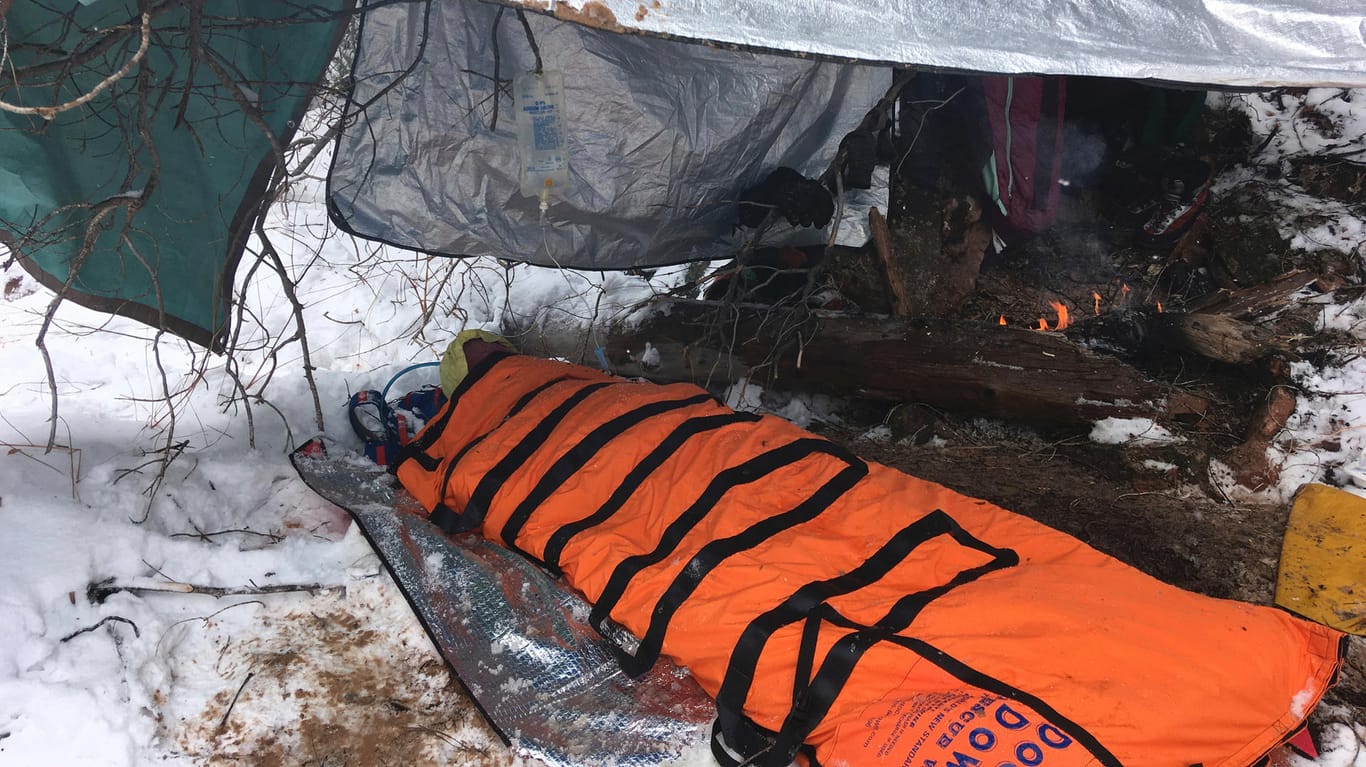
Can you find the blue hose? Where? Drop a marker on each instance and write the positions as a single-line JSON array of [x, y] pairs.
[[384, 395]]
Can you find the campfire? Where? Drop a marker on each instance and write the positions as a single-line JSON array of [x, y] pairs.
[[1059, 334], [1081, 324]]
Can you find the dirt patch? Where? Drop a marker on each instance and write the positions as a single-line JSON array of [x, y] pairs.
[[333, 688], [18, 286], [592, 14]]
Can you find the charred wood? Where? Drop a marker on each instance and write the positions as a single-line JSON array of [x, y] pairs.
[[1142, 332], [1223, 326]]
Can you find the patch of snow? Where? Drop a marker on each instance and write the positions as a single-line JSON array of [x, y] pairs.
[[1340, 745], [798, 411], [649, 359], [1356, 473], [434, 561], [746, 396], [1127, 431], [513, 685], [881, 433], [1299, 705], [1296, 123]]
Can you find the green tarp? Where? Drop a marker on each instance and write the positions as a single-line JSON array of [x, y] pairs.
[[148, 191]]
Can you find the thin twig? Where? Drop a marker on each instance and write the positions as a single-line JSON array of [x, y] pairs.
[[206, 537], [937, 104], [228, 713], [202, 619], [250, 110], [234, 346], [167, 454], [289, 433], [106, 619], [92, 232]]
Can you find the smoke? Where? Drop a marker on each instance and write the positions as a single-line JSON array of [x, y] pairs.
[[1084, 152]]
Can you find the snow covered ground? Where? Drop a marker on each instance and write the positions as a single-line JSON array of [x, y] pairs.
[[338, 671], [148, 677]]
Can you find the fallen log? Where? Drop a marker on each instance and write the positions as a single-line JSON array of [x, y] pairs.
[[968, 368]]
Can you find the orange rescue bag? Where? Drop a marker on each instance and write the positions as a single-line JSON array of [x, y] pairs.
[[877, 618]]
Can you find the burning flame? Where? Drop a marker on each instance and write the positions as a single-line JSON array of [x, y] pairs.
[[1001, 321], [1063, 320]]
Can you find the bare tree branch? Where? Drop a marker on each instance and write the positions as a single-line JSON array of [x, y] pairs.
[[49, 112]]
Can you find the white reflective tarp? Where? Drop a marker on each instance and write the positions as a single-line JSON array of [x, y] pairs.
[[1247, 43]]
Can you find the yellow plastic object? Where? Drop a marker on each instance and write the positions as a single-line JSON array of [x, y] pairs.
[[454, 368], [1323, 559]]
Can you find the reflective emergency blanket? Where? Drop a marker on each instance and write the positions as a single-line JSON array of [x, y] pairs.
[[517, 639], [662, 137]]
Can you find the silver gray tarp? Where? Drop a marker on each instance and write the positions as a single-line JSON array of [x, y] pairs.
[[662, 135]]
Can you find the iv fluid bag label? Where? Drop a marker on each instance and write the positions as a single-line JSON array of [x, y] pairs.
[[541, 133]]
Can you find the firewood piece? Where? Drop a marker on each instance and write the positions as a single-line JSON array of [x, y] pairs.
[[1250, 302], [1216, 336], [896, 281], [1251, 465], [1272, 415]]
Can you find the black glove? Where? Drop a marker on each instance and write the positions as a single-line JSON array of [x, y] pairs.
[[802, 201]]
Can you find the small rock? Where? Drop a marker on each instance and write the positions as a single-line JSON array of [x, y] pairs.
[[914, 422]]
